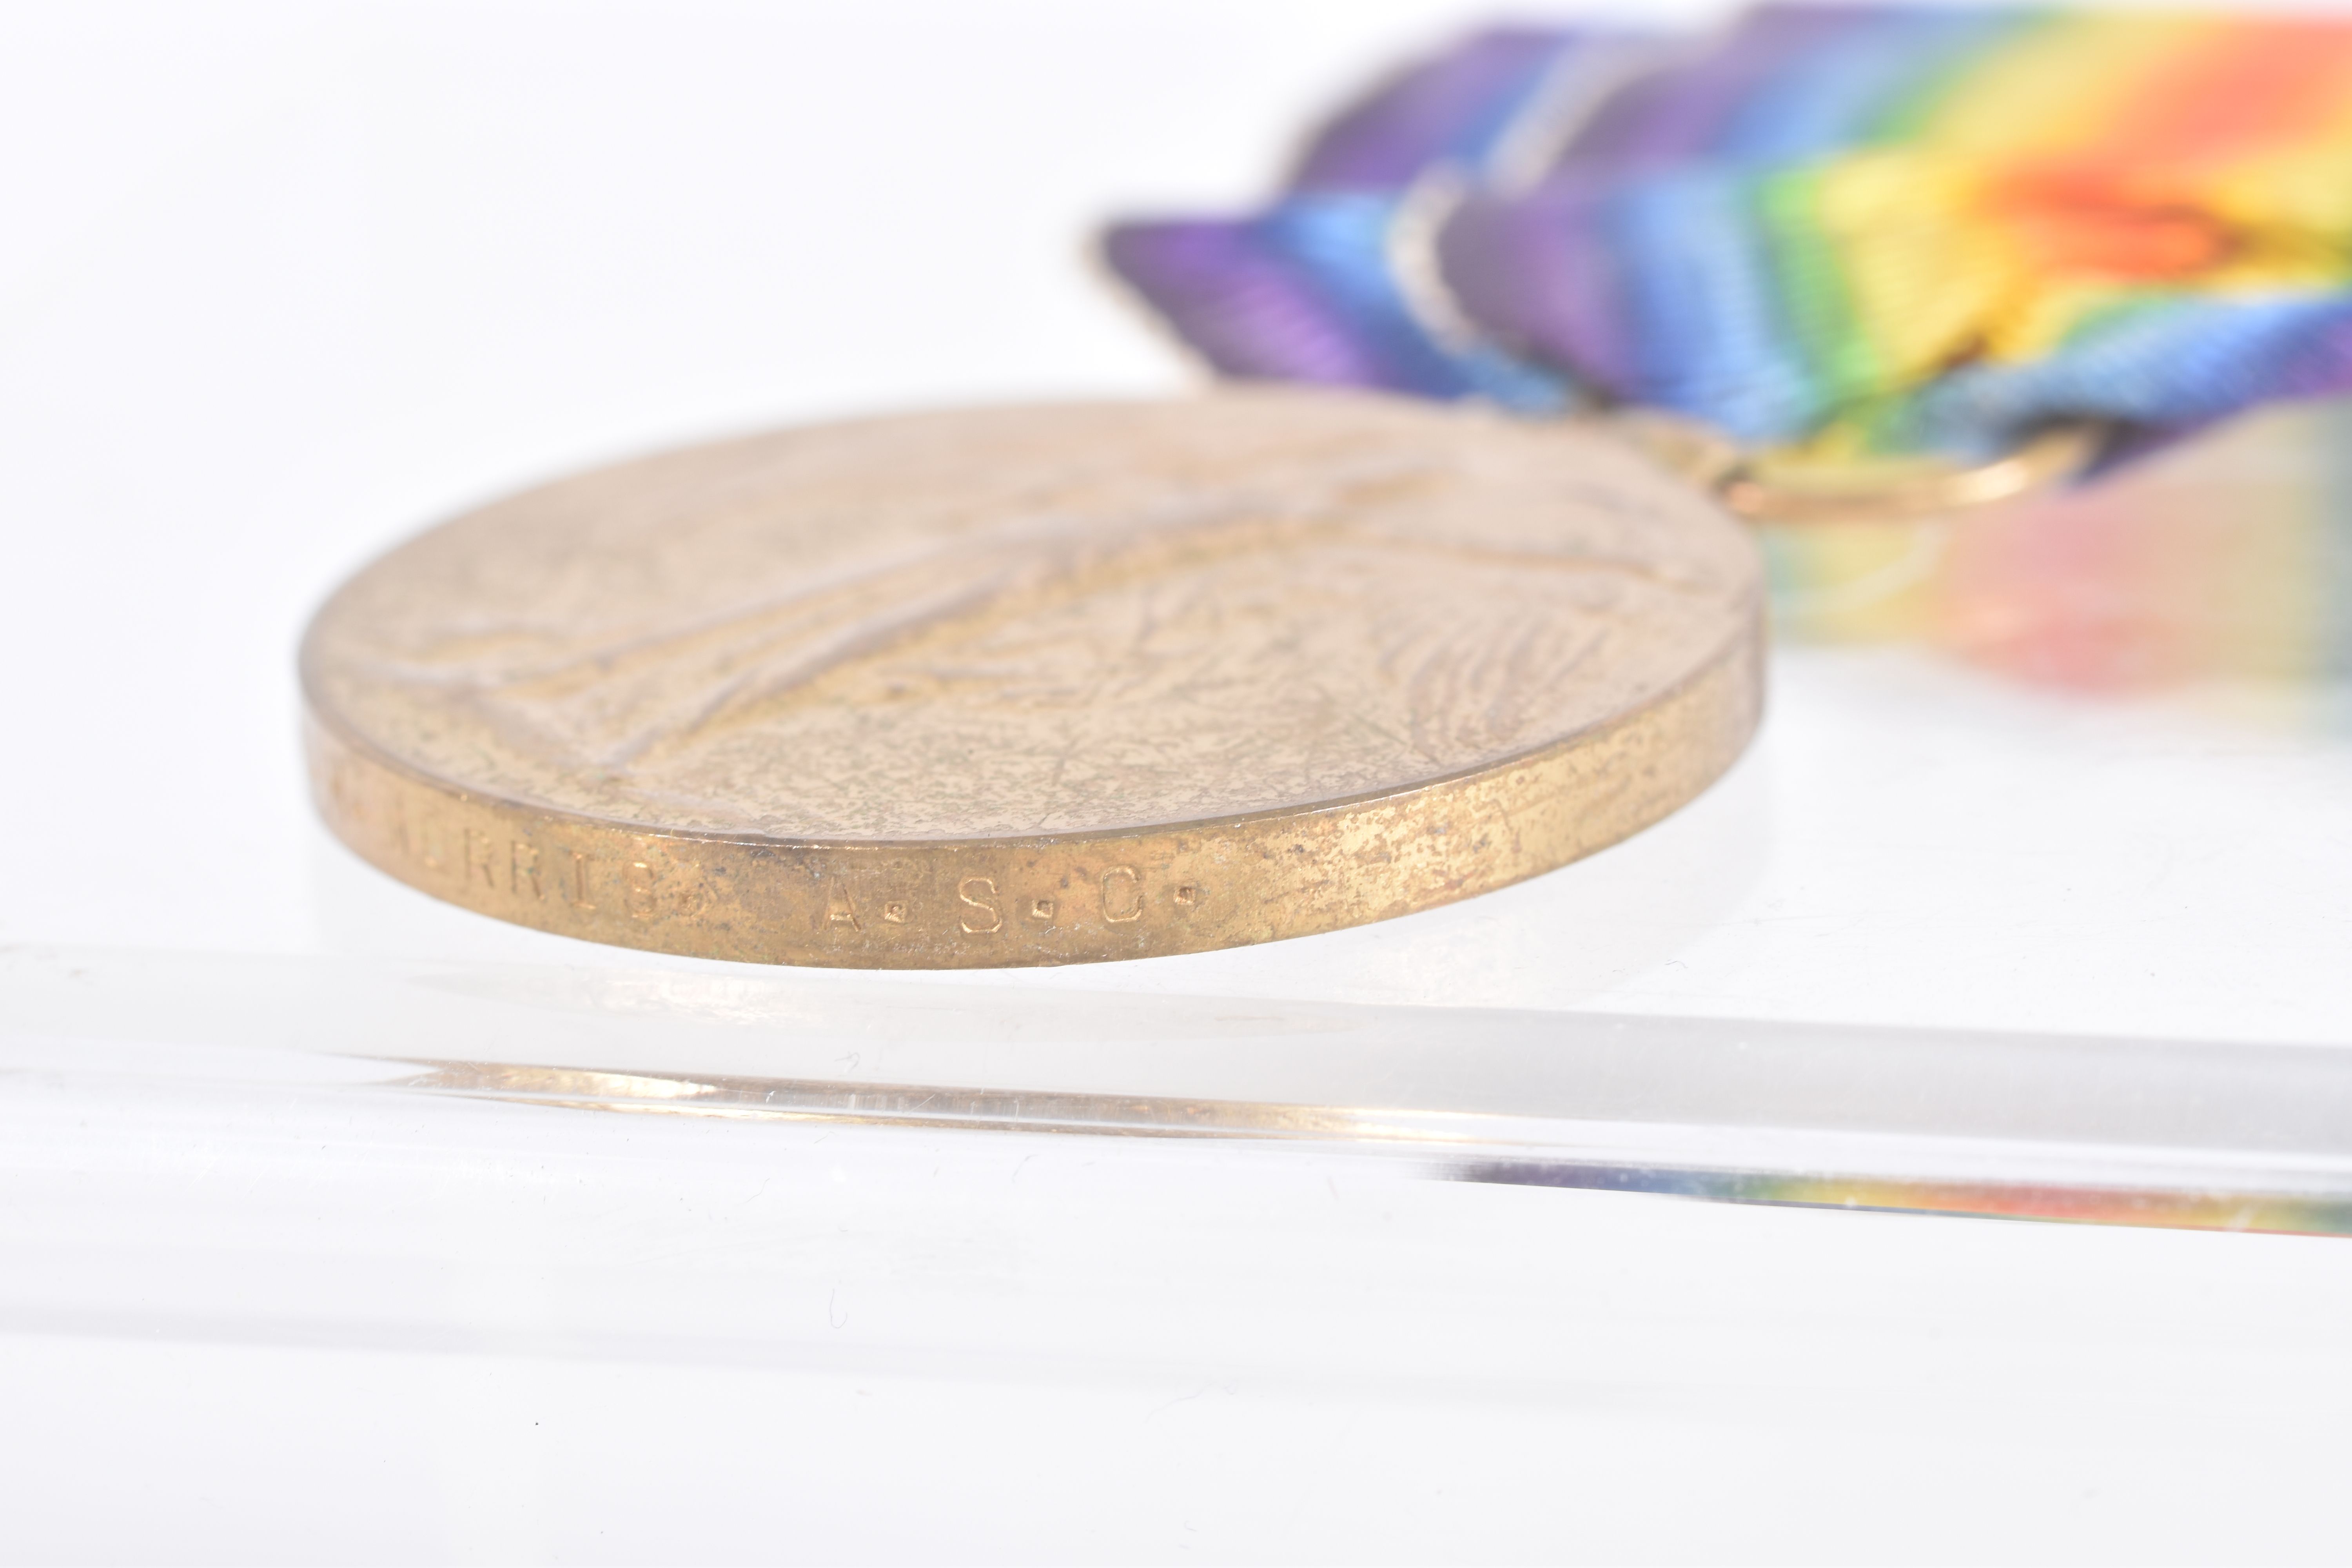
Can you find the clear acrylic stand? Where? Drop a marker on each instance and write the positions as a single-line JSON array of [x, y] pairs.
[[2117, 1131]]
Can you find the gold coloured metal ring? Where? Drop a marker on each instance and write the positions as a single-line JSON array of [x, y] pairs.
[[1774, 486], [1775, 489]]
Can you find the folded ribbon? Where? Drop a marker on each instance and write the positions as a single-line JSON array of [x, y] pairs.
[[1868, 229]]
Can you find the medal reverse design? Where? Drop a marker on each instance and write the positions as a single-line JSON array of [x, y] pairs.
[[1038, 685]]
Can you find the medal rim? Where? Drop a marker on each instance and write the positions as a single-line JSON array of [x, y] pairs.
[[783, 900]]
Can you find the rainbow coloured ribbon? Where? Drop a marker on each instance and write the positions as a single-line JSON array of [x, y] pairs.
[[1876, 228], [1864, 229]]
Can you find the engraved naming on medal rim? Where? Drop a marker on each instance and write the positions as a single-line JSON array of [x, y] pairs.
[[1037, 684]]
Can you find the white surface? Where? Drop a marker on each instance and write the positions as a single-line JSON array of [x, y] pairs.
[[307, 1328], [279, 285]]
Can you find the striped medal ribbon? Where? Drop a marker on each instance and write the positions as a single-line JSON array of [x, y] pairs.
[[1869, 270]]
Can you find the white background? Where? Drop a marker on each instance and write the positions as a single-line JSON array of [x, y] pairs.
[[280, 285]]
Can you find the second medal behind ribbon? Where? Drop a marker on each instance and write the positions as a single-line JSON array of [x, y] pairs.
[[1039, 685]]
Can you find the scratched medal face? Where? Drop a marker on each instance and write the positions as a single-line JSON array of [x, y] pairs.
[[1030, 621]]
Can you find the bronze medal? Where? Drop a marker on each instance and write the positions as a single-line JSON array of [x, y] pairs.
[[1039, 685]]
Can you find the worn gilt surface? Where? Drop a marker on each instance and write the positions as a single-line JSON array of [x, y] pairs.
[[1032, 685]]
